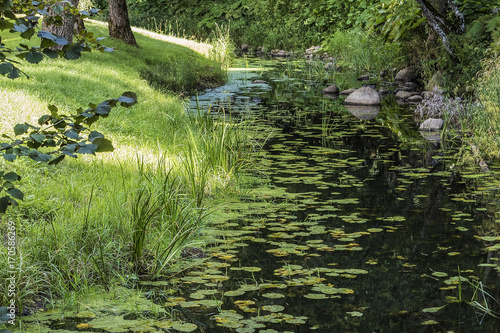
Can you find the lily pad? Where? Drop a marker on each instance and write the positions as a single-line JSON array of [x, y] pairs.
[[184, 327]]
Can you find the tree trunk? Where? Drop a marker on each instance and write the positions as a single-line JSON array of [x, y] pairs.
[[118, 22], [67, 29], [437, 19]]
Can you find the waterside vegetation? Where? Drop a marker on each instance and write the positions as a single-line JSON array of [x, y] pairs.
[[91, 222]]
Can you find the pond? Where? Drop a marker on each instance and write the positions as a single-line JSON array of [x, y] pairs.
[[354, 222], [359, 225]]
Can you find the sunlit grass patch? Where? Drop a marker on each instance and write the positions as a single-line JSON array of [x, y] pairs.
[[76, 226]]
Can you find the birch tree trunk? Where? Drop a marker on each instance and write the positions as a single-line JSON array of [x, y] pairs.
[[118, 22], [437, 19]]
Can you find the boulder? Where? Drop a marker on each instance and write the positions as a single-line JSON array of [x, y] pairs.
[[333, 89], [363, 96], [431, 136], [427, 94], [384, 91], [347, 92], [407, 74], [403, 94], [411, 85], [415, 99], [431, 124]]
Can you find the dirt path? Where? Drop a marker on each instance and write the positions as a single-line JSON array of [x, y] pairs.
[[198, 47]]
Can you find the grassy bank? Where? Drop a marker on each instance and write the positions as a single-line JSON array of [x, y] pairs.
[[90, 222]]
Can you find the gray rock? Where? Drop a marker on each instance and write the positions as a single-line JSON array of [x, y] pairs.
[[347, 92], [403, 94], [431, 124], [404, 88], [363, 96], [431, 136], [384, 91], [411, 85], [333, 89], [244, 47], [427, 94], [407, 75], [414, 99], [364, 78]]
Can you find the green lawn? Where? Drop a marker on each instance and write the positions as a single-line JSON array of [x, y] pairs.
[[77, 226]]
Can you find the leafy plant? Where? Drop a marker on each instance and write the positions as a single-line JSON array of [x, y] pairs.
[[25, 26], [357, 50], [56, 135]]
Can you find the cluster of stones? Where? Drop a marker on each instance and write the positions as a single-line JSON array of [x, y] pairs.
[[407, 91], [314, 53]]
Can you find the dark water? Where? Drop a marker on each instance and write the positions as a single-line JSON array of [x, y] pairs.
[[357, 225]]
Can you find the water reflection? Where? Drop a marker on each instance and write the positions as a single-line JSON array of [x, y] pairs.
[[363, 112]]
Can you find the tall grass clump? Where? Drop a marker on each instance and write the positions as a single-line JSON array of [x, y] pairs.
[[487, 122], [223, 48], [361, 51], [163, 219], [217, 150]]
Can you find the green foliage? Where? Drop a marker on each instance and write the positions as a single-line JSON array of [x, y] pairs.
[[361, 51], [473, 9], [25, 25], [62, 135], [470, 49], [75, 222], [274, 24], [55, 134], [486, 122], [393, 19]]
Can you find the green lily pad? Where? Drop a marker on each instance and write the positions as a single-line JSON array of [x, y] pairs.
[[273, 308], [273, 295], [184, 327]]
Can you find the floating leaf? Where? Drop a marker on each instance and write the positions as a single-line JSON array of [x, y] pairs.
[[273, 308], [316, 296], [273, 295], [433, 310], [233, 293], [355, 314], [184, 327]]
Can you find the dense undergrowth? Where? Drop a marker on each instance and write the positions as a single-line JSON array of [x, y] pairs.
[[98, 220]]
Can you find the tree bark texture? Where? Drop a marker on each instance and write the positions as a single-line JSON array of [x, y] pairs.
[[438, 22], [68, 27], [118, 22]]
